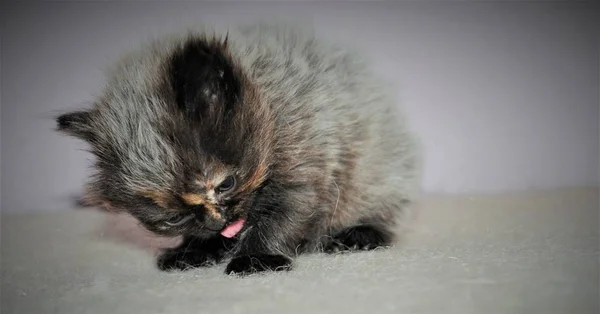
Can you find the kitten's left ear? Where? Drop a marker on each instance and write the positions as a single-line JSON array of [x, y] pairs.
[[77, 124]]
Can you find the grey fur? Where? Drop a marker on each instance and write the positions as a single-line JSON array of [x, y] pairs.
[[302, 75]]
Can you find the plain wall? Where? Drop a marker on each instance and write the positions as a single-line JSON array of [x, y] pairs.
[[504, 95]]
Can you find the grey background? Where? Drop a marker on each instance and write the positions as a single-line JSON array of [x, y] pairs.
[[503, 94]]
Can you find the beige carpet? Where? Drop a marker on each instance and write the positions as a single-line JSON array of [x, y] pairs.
[[534, 252]]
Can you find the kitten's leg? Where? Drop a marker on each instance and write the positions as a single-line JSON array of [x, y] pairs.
[[278, 228], [194, 252]]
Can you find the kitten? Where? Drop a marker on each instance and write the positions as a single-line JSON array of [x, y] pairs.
[[255, 146]]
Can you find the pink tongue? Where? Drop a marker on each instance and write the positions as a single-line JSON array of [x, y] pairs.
[[231, 230]]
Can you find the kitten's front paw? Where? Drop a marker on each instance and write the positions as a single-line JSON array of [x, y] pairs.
[[246, 265], [184, 260]]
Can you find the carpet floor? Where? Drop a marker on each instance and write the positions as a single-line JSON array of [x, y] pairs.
[[534, 252]]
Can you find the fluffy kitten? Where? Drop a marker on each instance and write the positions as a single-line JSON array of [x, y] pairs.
[[254, 146]]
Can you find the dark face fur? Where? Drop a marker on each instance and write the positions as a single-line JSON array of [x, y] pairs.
[[183, 146]]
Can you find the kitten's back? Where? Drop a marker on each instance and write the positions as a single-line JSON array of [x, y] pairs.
[[329, 102]]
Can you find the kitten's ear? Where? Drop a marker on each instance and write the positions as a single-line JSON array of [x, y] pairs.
[[77, 124]]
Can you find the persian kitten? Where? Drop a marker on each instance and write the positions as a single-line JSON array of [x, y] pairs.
[[255, 145]]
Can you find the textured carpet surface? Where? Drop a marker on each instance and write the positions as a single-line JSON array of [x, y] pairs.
[[529, 253]]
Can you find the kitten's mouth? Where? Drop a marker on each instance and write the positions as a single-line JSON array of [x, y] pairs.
[[233, 228]]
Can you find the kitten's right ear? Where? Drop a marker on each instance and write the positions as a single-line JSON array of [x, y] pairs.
[[76, 124]]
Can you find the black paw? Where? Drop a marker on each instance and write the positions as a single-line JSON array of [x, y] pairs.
[[246, 265], [358, 238], [175, 259]]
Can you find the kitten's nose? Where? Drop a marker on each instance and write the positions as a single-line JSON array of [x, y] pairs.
[[214, 223], [215, 217], [223, 211], [210, 217]]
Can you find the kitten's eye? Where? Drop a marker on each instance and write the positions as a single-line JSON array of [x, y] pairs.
[[177, 220], [227, 184]]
